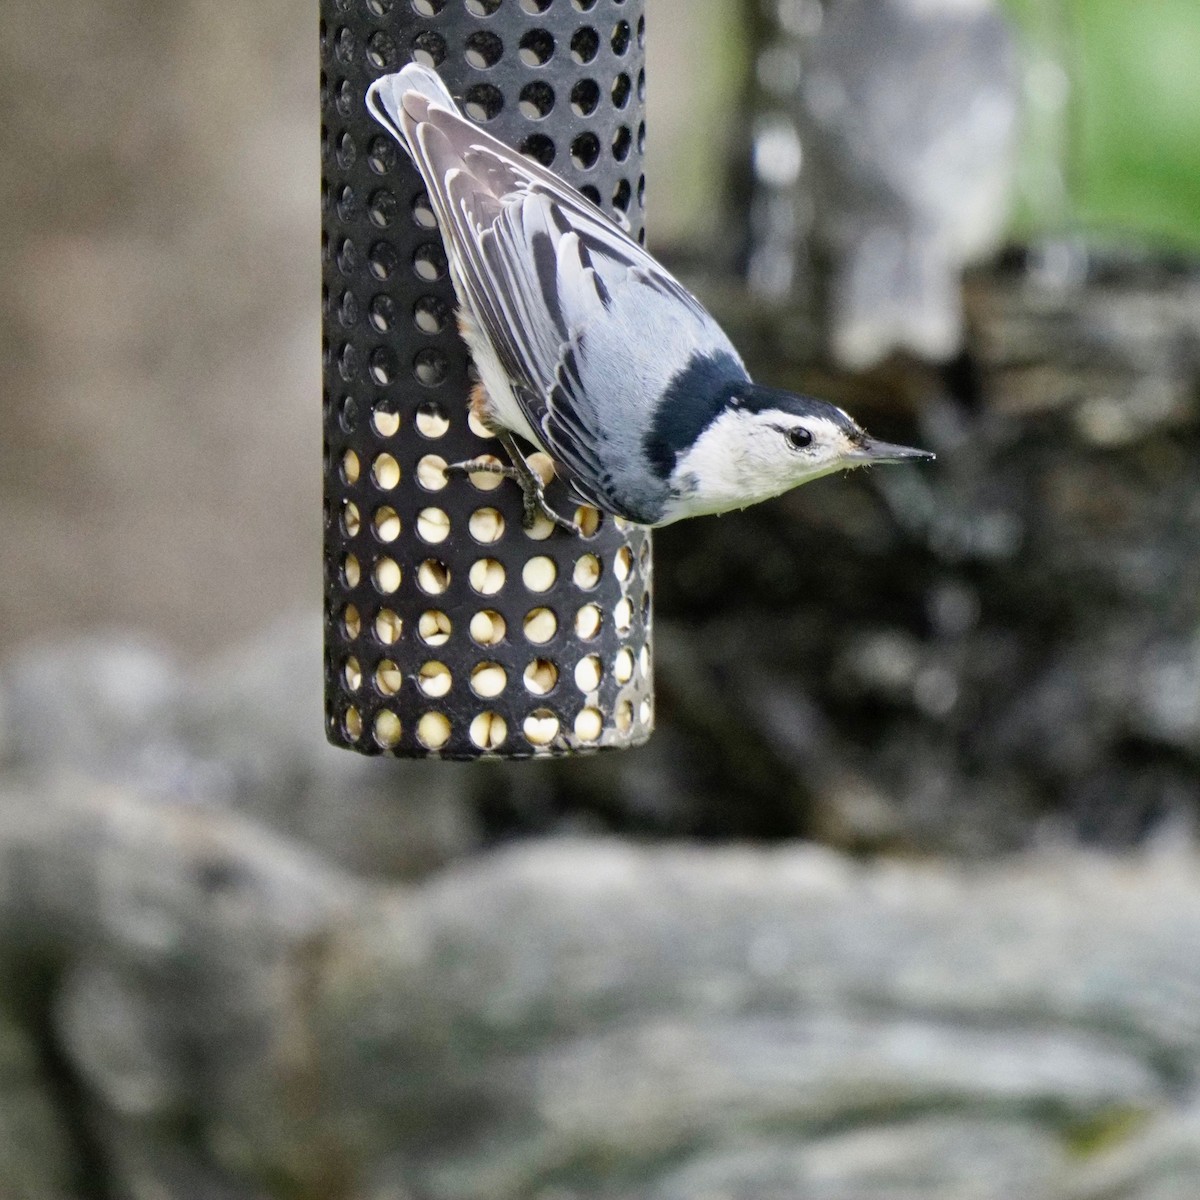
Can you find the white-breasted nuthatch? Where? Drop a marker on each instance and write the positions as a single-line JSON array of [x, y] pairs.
[[908, 112], [589, 350]]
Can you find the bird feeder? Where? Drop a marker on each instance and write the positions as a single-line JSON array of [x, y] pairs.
[[451, 630]]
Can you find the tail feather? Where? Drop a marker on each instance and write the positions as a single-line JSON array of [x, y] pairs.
[[401, 101]]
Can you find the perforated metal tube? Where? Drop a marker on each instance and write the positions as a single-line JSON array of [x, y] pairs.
[[450, 630]]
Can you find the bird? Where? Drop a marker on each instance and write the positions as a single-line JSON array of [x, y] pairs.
[[589, 350], [908, 113]]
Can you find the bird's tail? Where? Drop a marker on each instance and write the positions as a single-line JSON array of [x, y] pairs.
[[401, 101]]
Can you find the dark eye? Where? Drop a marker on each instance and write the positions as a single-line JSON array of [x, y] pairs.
[[799, 437]]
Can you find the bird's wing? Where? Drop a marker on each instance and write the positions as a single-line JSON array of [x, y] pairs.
[[539, 266]]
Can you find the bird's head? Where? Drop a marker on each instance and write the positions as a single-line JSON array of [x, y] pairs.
[[762, 441]]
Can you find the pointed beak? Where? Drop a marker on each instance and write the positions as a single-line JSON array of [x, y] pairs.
[[872, 451]]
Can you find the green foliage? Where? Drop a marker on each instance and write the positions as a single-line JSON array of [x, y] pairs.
[[1131, 128]]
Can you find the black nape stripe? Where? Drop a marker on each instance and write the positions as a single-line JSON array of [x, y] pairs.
[[757, 398], [691, 402]]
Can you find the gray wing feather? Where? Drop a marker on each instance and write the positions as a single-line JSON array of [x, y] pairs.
[[589, 327]]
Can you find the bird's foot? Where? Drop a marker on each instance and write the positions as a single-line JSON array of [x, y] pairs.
[[475, 466], [533, 490], [535, 506], [533, 486]]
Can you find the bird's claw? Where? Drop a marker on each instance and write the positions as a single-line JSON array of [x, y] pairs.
[[535, 505], [475, 465], [533, 491]]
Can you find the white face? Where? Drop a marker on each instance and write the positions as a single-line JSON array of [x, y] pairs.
[[744, 457]]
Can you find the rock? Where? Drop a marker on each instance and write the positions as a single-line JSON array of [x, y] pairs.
[[104, 703], [1160, 1163], [254, 724], [244, 731], [181, 938], [583, 1018], [929, 1156], [639, 1008]]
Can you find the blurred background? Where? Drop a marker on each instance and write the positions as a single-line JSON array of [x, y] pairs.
[[901, 899]]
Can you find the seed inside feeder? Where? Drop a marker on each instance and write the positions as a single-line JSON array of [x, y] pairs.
[[388, 678], [431, 421], [624, 716], [644, 660], [486, 576], [433, 525], [386, 423], [588, 673], [386, 523], [352, 673], [488, 679], [433, 577], [351, 571], [351, 621], [539, 573], [623, 563], [644, 712], [541, 727], [477, 427], [431, 472], [488, 731], [385, 470], [487, 628], [388, 627], [588, 520], [434, 627], [540, 626], [387, 729], [350, 467], [542, 465], [589, 724], [434, 679], [387, 576], [486, 481], [541, 528], [352, 724], [486, 525], [433, 730], [623, 616], [623, 666], [587, 572], [587, 622], [540, 676], [351, 520]]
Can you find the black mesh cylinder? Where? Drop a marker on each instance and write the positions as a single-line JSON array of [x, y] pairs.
[[451, 630]]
